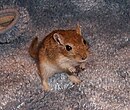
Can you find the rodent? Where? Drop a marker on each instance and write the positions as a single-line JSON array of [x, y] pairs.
[[60, 51]]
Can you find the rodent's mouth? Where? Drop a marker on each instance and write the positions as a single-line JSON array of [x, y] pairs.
[[78, 60], [81, 61]]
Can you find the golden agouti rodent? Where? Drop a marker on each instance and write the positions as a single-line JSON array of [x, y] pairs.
[[60, 51]]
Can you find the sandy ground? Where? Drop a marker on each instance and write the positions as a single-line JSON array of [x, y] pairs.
[[106, 79]]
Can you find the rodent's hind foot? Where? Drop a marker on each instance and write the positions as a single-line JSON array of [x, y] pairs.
[[72, 69], [74, 79], [46, 87]]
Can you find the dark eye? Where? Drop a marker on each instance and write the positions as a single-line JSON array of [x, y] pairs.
[[68, 48], [84, 41]]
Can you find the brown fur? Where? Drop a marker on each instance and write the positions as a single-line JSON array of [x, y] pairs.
[[53, 57], [33, 48]]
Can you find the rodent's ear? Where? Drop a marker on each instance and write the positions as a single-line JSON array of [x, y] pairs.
[[58, 38], [78, 29]]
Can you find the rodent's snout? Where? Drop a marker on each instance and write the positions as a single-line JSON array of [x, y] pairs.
[[84, 58]]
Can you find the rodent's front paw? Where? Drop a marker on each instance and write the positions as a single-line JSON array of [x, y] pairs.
[[82, 66], [72, 69]]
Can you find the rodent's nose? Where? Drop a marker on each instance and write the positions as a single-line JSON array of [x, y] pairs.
[[83, 58]]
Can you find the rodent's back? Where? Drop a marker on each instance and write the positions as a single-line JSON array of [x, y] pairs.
[[57, 43], [49, 43]]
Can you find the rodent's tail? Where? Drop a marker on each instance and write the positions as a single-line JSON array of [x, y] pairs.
[[33, 49]]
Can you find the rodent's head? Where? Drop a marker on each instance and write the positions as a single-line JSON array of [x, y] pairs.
[[72, 44]]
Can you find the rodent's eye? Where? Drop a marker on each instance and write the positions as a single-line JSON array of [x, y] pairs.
[[68, 48], [84, 41]]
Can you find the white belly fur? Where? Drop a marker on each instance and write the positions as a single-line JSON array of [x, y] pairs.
[[62, 64], [65, 63]]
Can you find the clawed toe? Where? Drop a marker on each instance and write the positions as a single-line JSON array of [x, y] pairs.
[[74, 79]]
